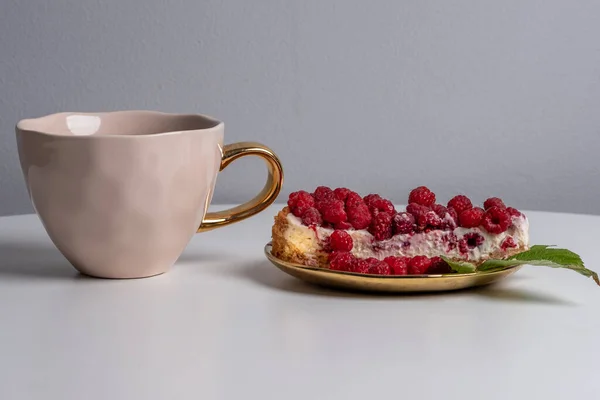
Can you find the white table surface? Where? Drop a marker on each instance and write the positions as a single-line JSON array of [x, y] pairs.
[[225, 324]]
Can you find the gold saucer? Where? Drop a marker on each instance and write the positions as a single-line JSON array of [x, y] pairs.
[[389, 283]]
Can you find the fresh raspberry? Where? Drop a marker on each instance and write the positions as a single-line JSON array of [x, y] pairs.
[[340, 241], [460, 203], [449, 237], [321, 205], [471, 218], [323, 193], [474, 239], [429, 220], [450, 221], [301, 207], [360, 266], [421, 195], [341, 193], [513, 212], [493, 202], [370, 199], [454, 216], [344, 225], [299, 202], [397, 265], [312, 216], [381, 226], [383, 205], [334, 254], [508, 243], [340, 261], [470, 241], [403, 223], [496, 220], [294, 196], [381, 268], [359, 216], [353, 199], [333, 211], [372, 261], [447, 215], [419, 265], [440, 210], [416, 210], [439, 266]]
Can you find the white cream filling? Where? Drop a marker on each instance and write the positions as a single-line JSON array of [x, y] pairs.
[[310, 240]]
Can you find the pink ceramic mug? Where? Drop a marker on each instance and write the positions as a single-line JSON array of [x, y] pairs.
[[122, 193]]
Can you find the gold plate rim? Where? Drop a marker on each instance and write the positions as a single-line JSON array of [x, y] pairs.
[[387, 283]]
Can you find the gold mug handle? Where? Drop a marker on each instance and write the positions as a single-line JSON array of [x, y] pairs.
[[265, 198]]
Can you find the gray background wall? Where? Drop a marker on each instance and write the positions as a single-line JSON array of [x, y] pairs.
[[485, 97]]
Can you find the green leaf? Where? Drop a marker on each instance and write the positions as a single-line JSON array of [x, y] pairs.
[[550, 253], [499, 264], [546, 256], [462, 267], [538, 255]]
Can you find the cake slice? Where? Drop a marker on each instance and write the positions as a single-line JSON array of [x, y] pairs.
[[340, 230]]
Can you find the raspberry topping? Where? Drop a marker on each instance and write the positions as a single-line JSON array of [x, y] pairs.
[[383, 205], [359, 216], [496, 220], [403, 223], [416, 210], [353, 199], [440, 210], [340, 261], [470, 241], [341, 193], [493, 202], [471, 218], [323, 193], [508, 243], [360, 266], [340, 241], [343, 226], [381, 268], [333, 211], [301, 207], [419, 265], [381, 226], [321, 205], [451, 220], [421, 195], [429, 220], [372, 261], [397, 265], [439, 266], [312, 216], [453, 214], [513, 211], [460, 203], [370, 199], [299, 202]]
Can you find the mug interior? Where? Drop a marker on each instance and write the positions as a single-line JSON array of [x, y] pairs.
[[119, 123]]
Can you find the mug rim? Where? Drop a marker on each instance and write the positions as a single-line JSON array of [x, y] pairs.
[[24, 125]]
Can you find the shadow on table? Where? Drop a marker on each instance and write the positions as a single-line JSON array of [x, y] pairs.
[[34, 260], [264, 274]]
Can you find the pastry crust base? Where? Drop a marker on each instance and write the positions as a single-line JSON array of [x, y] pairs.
[[287, 251]]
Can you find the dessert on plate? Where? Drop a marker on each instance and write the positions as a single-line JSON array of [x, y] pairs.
[[341, 230]]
